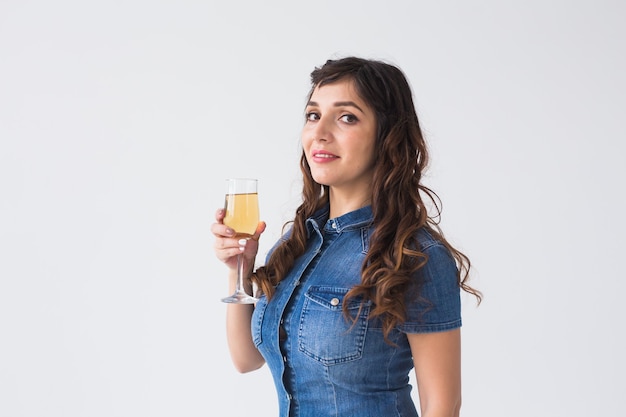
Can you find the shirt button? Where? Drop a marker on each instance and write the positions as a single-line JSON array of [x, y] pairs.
[[284, 359], [334, 301]]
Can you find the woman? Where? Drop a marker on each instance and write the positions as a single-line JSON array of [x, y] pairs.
[[363, 287]]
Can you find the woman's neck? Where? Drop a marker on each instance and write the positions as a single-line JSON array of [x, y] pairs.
[[342, 203]]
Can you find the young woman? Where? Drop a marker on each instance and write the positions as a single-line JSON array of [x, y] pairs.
[[363, 287]]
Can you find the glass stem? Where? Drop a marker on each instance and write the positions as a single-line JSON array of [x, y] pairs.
[[240, 274]]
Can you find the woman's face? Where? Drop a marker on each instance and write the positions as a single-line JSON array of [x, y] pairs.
[[338, 138]]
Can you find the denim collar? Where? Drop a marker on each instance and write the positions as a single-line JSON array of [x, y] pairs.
[[353, 220]]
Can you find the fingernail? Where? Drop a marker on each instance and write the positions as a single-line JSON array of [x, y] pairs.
[[242, 243], [230, 231]]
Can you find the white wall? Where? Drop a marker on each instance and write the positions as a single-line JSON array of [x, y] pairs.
[[119, 121]]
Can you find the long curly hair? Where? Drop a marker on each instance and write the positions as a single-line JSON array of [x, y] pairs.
[[398, 197]]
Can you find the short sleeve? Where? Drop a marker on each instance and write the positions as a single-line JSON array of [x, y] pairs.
[[439, 306]]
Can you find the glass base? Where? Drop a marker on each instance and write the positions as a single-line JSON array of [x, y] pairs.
[[240, 297]]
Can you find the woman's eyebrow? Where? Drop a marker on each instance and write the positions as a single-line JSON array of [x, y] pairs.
[[338, 104]]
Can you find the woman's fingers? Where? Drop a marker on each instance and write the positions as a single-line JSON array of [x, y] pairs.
[[260, 228], [219, 229], [227, 250], [220, 214], [227, 246]]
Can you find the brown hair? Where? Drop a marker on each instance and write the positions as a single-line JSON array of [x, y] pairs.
[[397, 200]]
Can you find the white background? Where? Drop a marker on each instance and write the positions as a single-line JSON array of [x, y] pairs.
[[120, 120]]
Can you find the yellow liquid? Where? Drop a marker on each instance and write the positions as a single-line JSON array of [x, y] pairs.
[[242, 213]]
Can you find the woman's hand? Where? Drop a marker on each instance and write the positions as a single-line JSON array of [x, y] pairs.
[[227, 246]]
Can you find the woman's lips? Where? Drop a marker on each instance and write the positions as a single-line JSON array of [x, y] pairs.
[[323, 156]]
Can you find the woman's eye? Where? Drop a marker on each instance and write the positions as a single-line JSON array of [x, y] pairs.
[[312, 116], [348, 118]]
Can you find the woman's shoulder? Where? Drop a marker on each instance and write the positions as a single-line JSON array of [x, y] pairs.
[[428, 241], [439, 259]]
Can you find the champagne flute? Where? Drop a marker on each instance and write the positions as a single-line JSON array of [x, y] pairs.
[[242, 215]]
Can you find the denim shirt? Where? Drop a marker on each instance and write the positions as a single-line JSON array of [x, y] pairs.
[[323, 364]]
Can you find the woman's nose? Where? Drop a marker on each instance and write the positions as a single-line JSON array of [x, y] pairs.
[[322, 130]]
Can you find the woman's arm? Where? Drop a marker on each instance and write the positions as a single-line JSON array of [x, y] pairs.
[[243, 353], [437, 360]]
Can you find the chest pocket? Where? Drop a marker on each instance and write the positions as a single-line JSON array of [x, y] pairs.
[[325, 333]]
